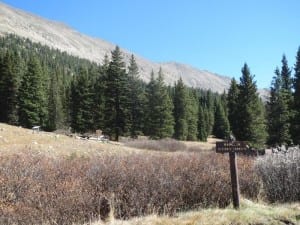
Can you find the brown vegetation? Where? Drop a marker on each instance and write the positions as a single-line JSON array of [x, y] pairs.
[[37, 189], [79, 181]]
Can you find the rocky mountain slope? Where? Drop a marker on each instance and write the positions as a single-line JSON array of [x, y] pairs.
[[64, 38]]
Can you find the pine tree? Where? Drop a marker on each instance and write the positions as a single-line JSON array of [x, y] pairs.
[[202, 131], [296, 117], [221, 127], [180, 111], [160, 121], [18, 70], [32, 102], [224, 103], [192, 117], [150, 117], [272, 108], [55, 107], [5, 86], [278, 113], [116, 102], [136, 98], [251, 118], [210, 112], [9, 85], [99, 96], [232, 102], [82, 102], [4, 74], [286, 75]]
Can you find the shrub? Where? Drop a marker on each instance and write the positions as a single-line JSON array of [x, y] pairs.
[[36, 189], [280, 175]]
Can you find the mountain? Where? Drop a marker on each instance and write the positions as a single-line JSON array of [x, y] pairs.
[[64, 38]]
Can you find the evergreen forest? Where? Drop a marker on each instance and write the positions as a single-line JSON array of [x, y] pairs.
[[52, 89]]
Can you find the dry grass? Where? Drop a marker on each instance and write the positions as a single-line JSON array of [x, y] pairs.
[[16, 139], [250, 214], [171, 145], [195, 146], [163, 145]]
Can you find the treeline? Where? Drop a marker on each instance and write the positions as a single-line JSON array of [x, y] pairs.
[[46, 87], [278, 122]]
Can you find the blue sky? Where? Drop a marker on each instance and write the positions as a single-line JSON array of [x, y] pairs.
[[215, 35]]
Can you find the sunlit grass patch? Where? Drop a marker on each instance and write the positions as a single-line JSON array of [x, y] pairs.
[[250, 213]]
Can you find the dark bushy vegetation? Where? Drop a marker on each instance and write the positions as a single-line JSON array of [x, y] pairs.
[[280, 175], [38, 189]]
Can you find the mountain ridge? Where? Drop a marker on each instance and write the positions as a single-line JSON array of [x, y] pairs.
[[60, 36]]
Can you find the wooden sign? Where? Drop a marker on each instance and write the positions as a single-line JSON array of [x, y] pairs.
[[232, 147]]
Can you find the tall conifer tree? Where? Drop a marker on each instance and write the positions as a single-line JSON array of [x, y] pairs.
[[8, 90], [180, 111], [55, 108], [136, 98], [160, 120], [192, 116], [116, 102], [279, 107], [32, 101], [286, 75], [296, 118], [232, 102], [99, 88], [210, 112], [221, 126], [82, 102], [278, 112], [251, 119], [202, 131]]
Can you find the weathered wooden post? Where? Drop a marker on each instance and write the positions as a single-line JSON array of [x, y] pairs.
[[232, 147], [234, 180]]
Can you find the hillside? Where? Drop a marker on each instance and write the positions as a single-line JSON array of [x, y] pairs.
[[64, 38]]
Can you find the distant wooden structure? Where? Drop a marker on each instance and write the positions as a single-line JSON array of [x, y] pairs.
[[99, 132], [36, 129]]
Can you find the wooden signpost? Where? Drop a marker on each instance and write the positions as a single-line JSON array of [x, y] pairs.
[[232, 147]]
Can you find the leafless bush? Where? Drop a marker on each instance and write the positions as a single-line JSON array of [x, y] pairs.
[[167, 144], [280, 174], [35, 189]]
